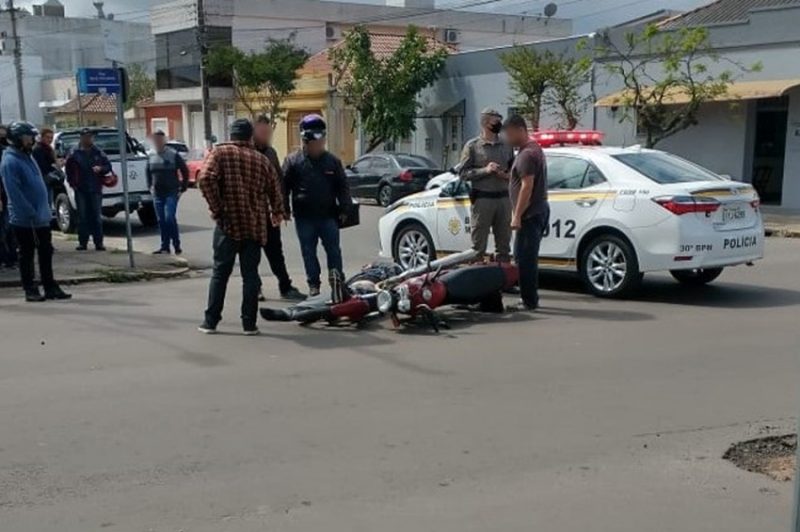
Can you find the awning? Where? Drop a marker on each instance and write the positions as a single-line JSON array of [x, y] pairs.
[[740, 90], [440, 108]]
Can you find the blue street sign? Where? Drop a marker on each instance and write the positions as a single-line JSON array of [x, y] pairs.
[[99, 80]]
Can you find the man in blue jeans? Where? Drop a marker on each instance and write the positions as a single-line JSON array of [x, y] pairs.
[[167, 178], [316, 184], [527, 188], [86, 167]]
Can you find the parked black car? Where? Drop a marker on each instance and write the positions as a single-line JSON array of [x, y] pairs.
[[387, 177]]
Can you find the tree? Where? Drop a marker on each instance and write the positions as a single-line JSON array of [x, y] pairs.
[[383, 90], [666, 78], [141, 85], [530, 71], [568, 76], [262, 80]]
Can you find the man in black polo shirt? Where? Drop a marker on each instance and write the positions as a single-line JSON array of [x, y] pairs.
[[527, 189]]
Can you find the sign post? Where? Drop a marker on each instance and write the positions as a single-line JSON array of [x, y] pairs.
[[111, 81]]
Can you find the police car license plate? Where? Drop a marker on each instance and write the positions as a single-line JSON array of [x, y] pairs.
[[733, 214]]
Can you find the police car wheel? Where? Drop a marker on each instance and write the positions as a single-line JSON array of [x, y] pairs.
[[147, 216], [385, 196], [697, 276], [609, 267], [413, 247]]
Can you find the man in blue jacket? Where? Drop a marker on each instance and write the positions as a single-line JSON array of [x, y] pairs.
[[29, 212], [86, 167]]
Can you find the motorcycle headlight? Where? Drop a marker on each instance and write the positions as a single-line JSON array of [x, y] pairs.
[[385, 301]]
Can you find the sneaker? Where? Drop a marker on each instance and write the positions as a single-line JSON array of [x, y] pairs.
[[178, 251], [57, 293], [33, 296], [313, 291], [100, 248], [161, 252], [293, 294], [207, 329], [251, 331], [81, 247]]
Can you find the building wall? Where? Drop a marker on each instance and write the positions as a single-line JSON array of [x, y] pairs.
[[172, 113], [791, 177], [31, 86]]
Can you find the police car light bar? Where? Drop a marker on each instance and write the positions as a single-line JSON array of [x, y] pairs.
[[548, 138]]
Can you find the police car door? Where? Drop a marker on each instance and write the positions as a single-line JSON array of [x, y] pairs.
[[452, 217], [576, 189]]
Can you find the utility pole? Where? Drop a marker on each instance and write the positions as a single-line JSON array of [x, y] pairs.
[[17, 60], [205, 103], [80, 101]]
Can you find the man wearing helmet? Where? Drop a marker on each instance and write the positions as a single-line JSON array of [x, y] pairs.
[[29, 212], [315, 188], [86, 167]]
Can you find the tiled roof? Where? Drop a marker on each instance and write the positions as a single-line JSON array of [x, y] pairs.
[[721, 12], [383, 45], [91, 103]]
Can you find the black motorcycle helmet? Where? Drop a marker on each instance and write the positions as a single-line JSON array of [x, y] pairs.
[[312, 127], [17, 130]]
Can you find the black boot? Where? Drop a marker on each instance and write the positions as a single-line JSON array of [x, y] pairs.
[[32, 295], [56, 293]]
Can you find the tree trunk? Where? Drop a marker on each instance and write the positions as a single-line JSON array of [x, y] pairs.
[[373, 144]]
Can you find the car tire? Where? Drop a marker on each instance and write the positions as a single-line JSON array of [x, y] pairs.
[[412, 246], [385, 195], [609, 267], [696, 277], [147, 216], [66, 216]]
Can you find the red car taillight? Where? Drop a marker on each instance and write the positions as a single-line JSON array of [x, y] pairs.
[[406, 176], [680, 205]]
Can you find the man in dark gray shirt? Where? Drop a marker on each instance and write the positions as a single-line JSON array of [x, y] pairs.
[[168, 178], [527, 189], [485, 163]]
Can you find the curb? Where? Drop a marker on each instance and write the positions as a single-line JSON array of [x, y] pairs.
[[134, 276]]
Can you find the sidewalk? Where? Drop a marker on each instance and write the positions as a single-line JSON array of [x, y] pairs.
[[782, 222], [72, 267]]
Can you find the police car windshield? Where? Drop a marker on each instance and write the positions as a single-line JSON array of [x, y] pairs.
[[108, 141], [414, 161], [665, 169]]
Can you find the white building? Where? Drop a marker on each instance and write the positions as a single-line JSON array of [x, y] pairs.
[[55, 46]]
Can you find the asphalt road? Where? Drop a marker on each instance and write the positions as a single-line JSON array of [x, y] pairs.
[[592, 415]]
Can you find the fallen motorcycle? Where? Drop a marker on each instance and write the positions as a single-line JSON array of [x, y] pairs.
[[481, 285], [356, 299]]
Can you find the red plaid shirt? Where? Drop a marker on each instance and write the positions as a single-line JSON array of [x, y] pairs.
[[241, 189]]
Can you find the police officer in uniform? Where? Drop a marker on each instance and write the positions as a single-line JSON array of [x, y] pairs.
[[485, 163]]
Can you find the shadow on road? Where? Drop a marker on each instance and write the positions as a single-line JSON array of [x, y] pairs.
[[664, 290]]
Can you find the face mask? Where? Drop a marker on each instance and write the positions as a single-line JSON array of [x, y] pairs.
[[496, 128]]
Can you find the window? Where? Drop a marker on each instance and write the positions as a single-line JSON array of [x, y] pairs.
[[178, 58], [159, 124], [455, 189], [108, 141], [381, 165], [414, 161], [362, 166], [665, 169], [571, 173]]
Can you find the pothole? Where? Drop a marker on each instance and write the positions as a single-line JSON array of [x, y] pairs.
[[773, 456]]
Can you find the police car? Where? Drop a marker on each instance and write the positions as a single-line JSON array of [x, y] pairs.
[[616, 213]]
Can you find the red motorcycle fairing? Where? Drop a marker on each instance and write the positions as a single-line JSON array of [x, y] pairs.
[[424, 292], [354, 309], [511, 271]]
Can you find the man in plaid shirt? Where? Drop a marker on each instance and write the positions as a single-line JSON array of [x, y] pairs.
[[243, 195]]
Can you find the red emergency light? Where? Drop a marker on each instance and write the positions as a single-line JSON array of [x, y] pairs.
[[561, 138]]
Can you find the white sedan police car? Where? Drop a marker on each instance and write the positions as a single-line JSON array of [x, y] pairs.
[[616, 213]]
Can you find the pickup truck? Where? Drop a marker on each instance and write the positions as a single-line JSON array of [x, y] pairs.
[[139, 198]]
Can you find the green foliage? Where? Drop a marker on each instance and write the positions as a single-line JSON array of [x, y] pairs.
[[564, 91], [667, 77], [383, 90], [262, 80], [141, 85]]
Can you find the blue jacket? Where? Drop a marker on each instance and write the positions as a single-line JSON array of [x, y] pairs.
[[78, 168], [28, 204]]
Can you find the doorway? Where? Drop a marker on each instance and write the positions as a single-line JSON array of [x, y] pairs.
[[772, 116]]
